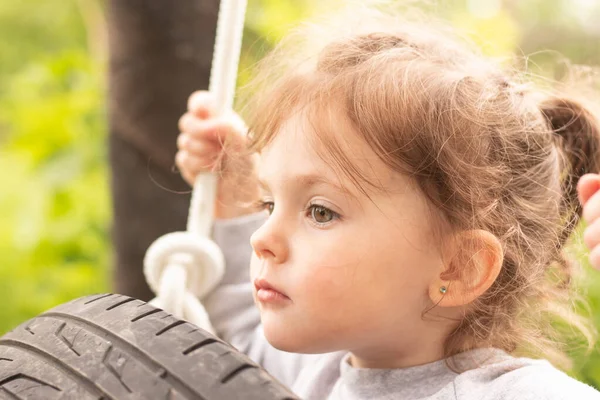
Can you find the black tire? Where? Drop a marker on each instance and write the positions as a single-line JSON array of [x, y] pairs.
[[117, 347]]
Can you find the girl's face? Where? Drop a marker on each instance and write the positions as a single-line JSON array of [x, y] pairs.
[[333, 269]]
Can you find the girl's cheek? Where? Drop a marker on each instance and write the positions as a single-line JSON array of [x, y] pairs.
[[329, 298], [330, 264], [326, 280]]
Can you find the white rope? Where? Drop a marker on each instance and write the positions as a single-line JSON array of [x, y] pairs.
[[182, 267]]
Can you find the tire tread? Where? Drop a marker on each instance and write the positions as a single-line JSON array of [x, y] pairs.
[[116, 347]]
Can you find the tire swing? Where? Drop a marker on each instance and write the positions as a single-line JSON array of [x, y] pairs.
[[111, 346]]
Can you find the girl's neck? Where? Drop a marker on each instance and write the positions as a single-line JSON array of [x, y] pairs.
[[425, 353], [404, 348]]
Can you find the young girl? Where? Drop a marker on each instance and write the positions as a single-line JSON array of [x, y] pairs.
[[418, 201]]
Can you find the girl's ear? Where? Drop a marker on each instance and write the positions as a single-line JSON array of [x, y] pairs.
[[473, 267]]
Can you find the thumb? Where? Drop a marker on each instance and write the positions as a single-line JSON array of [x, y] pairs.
[[201, 103], [587, 186]]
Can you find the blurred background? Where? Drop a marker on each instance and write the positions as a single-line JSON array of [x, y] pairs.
[[89, 102]]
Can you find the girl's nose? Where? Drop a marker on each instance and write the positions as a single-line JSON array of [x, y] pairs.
[[269, 243]]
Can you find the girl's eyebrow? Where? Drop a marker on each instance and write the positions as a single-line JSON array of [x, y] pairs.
[[309, 180]]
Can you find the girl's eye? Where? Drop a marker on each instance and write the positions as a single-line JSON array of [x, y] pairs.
[[322, 215], [267, 205]]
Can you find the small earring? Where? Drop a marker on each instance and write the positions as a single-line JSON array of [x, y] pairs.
[[443, 289]]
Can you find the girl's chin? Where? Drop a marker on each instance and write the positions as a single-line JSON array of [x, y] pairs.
[[291, 338], [282, 334]]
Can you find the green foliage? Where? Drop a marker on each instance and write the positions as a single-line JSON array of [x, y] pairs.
[[586, 365], [53, 232], [54, 229]]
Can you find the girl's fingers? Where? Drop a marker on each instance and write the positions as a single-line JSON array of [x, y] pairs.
[[187, 122], [201, 104], [591, 235], [595, 257], [189, 178], [587, 186], [192, 166], [206, 138], [198, 148], [215, 130], [591, 209]]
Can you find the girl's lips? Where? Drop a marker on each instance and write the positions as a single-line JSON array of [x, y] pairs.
[[271, 296], [267, 293]]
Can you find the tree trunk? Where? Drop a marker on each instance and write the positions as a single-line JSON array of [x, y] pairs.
[[160, 51]]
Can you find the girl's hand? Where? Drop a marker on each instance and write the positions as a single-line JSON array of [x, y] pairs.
[[589, 196], [218, 144]]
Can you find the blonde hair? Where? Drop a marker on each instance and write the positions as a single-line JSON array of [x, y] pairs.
[[485, 148]]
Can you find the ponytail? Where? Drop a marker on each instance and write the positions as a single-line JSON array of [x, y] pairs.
[[578, 136]]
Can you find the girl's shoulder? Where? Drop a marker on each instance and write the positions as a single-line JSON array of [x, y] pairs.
[[523, 379]]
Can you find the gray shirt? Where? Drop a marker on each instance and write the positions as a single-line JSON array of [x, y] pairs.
[[330, 376]]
